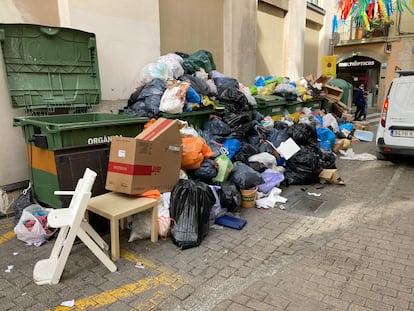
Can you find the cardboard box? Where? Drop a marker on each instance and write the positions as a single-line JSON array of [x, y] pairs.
[[332, 92], [361, 125], [151, 160], [330, 176], [339, 109], [162, 130]]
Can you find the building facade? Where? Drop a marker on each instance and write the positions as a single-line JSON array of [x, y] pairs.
[[372, 57]]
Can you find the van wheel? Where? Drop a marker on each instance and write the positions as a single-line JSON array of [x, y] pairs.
[[381, 156]]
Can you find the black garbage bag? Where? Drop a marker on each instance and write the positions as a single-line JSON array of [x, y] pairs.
[[246, 151], [244, 177], [133, 98], [182, 54], [200, 59], [258, 166], [257, 116], [276, 136], [198, 84], [230, 197], [264, 146], [327, 160], [190, 206], [216, 126], [254, 140], [225, 82], [303, 134], [303, 167], [234, 100], [234, 119], [205, 172], [148, 100], [23, 200]]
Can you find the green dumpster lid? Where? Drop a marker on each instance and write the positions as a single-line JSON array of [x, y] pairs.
[[48, 68]]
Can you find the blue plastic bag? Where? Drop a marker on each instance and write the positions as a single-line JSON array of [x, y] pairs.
[[347, 126], [192, 96], [325, 134], [233, 146]]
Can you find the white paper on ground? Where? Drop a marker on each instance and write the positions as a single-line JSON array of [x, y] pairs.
[[68, 303]]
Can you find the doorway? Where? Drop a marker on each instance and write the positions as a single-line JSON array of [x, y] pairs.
[[359, 70]]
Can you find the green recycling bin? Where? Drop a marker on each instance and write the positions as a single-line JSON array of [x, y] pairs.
[[270, 105], [60, 147], [314, 103], [294, 109], [52, 73], [195, 118]]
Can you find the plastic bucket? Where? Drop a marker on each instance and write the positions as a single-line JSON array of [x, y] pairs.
[[248, 198]]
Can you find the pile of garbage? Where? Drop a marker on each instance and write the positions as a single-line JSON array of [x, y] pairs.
[[239, 157]]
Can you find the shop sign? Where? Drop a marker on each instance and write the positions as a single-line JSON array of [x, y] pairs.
[[356, 63], [329, 65]]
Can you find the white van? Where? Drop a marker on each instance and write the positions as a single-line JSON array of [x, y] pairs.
[[395, 132]]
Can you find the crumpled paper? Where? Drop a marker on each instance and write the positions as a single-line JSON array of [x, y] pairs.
[[351, 155]]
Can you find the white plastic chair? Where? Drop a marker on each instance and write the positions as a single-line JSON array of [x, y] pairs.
[[70, 222]]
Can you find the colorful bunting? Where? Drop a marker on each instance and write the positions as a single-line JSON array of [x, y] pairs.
[[362, 11]]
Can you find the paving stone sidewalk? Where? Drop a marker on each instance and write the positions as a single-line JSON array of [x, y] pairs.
[[353, 253]]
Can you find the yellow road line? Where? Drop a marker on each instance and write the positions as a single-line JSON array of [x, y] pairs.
[[7, 236], [108, 297]]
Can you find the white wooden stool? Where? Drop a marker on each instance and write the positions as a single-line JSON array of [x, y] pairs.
[[116, 207]]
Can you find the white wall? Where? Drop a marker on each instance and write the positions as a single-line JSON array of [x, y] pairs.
[[13, 167], [128, 38]]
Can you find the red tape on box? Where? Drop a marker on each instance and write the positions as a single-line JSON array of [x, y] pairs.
[[156, 130], [131, 169]]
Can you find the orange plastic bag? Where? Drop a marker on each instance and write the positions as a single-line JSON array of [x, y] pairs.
[[152, 194], [195, 149]]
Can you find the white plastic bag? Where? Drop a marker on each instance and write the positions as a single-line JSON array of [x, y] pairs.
[[4, 202], [330, 120], [153, 71], [269, 160], [173, 64], [164, 219], [173, 99], [38, 233], [140, 225], [188, 130]]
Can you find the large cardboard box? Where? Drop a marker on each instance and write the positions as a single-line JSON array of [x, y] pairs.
[[332, 92], [339, 109], [151, 160]]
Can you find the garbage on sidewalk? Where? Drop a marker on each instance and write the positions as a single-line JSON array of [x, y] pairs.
[[215, 147], [267, 136]]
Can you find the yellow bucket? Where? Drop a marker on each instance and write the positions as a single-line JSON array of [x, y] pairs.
[[248, 198]]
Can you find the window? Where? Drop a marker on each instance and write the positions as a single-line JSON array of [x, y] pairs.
[[316, 2]]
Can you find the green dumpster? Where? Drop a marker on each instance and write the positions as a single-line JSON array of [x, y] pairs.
[[271, 105], [52, 73], [314, 103], [294, 109], [195, 118], [59, 131], [347, 89]]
